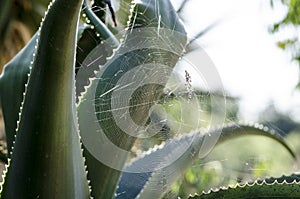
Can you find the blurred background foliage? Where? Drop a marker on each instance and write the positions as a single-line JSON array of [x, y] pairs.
[[238, 160], [291, 21], [19, 20]]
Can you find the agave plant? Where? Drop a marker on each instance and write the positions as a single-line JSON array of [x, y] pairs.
[[60, 149]]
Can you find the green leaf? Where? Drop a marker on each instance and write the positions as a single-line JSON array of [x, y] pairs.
[[12, 87], [150, 17], [151, 175], [47, 159], [283, 187], [123, 14]]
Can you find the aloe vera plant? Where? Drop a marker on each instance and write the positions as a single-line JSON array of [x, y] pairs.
[[58, 149]]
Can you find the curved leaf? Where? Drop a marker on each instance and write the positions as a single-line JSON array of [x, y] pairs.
[[166, 163], [47, 159], [284, 187], [15, 76], [12, 87]]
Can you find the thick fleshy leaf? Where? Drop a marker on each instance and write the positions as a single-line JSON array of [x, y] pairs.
[[150, 39], [283, 187], [162, 167], [15, 76], [47, 159], [12, 86]]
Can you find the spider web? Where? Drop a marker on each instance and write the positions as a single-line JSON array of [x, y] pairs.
[[138, 92]]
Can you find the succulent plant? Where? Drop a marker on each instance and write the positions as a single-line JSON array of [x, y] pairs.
[[51, 140]]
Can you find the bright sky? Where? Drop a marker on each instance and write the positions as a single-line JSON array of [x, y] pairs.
[[250, 64]]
